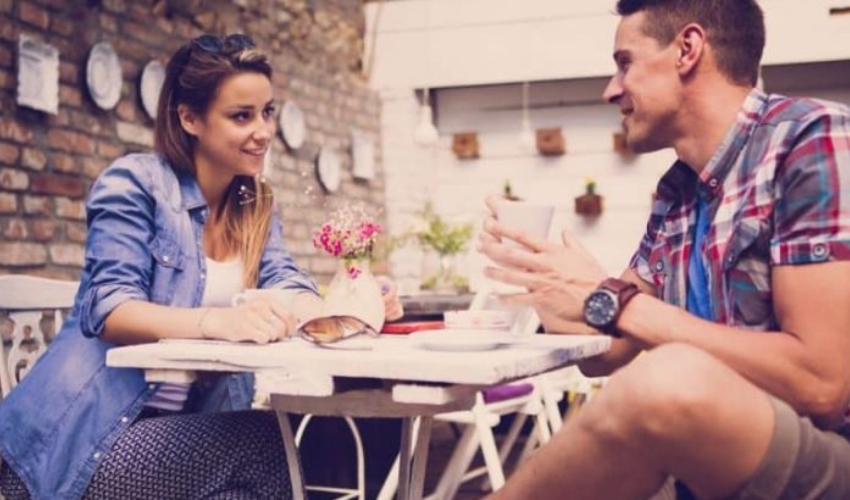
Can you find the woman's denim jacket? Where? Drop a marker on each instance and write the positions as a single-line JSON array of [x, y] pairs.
[[145, 234]]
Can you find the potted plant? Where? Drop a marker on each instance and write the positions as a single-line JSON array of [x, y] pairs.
[[442, 240], [590, 203], [508, 192]]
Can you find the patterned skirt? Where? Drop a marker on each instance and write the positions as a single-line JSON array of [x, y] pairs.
[[230, 455]]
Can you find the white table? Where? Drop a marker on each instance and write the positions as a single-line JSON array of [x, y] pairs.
[[392, 376]]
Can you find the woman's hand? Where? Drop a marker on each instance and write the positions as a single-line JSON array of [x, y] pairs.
[[393, 308], [261, 321]]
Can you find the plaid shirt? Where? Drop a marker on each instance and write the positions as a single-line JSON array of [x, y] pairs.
[[778, 193]]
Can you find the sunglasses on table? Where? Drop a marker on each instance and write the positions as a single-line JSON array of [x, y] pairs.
[[326, 331], [215, 44]]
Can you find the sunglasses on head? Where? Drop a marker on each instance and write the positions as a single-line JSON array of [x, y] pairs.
[[215, 44]]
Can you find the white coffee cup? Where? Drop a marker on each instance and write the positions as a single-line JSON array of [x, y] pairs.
[[535, 219], [532, 218]]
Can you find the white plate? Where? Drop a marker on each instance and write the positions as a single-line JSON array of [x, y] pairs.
[[150, 86], [103, 75], [363, 155], [460, 340], [328, 169], [293, 128]]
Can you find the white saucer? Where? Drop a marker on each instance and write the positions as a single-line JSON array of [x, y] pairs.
[[460, 340], [103, 76], [150, 86]]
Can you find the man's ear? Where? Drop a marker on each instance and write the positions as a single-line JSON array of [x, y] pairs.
[[188, 119], [691, 44]]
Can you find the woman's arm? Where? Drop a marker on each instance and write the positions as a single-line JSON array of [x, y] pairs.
[[120, 213], [260, 321]]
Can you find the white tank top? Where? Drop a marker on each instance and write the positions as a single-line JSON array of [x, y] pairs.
[[224, 280]]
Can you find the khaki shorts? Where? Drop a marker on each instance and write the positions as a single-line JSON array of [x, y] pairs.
[[802, 463]]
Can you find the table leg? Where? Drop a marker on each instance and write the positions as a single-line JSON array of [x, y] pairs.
[[412, 462], [404, 457], [291, 455], [420, 458]]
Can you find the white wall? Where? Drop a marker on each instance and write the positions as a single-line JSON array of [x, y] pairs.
[[442, 43], [407, 174]]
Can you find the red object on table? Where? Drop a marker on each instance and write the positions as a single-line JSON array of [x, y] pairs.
[[403, 328]]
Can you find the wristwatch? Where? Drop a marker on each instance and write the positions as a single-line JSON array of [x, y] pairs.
[[604, 305]]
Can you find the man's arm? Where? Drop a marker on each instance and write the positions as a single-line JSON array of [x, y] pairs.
[[558, 277], [623, 350], [807, 364]]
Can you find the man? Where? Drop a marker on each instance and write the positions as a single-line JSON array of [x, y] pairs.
[[744, 272]]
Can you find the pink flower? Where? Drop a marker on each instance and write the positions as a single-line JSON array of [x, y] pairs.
[[350, 233], [353, 272]]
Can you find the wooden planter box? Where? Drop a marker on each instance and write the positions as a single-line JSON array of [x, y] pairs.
[[550, 142], [589, 204], [465, 145]]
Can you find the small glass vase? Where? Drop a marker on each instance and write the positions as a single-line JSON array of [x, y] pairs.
[[354, 291], [440, 274]]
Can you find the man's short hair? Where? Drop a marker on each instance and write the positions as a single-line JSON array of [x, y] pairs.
[[734, 28]]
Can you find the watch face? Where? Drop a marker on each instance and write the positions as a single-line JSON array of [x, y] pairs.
[[600, 308]]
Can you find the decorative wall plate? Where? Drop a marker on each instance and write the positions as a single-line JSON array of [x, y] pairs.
[[363, 155], [103, 76], [150, 86], [293, 128], [328, 169], [38, 75]]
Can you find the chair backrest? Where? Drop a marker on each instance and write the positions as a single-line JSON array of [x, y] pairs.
[[31, 309]]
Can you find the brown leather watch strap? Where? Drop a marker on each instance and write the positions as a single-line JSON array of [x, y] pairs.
[[625, 292]]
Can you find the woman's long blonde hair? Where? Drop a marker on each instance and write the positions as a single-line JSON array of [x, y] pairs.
[[192, 78]]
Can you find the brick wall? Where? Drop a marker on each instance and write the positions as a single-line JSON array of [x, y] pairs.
[[48, 162]]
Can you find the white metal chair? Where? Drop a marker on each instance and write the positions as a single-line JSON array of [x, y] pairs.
[[526, 401], [266, 382], [359, 491], [26, 299], [567, 382]]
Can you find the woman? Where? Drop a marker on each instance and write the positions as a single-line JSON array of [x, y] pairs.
[[171, 238]]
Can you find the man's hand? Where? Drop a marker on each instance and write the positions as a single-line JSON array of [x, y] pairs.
[[537, 256], [558, 277]]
